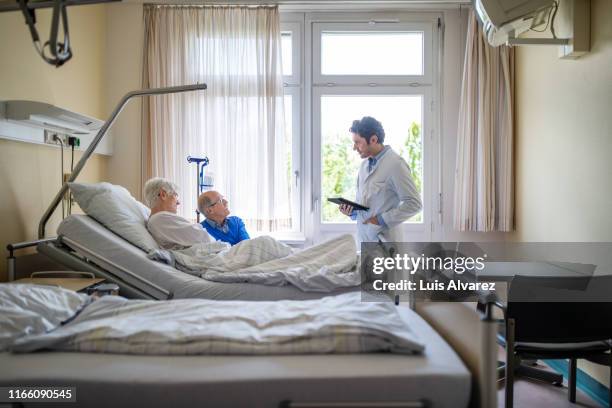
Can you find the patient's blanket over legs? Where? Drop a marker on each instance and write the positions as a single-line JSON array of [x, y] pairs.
[[320, 268]]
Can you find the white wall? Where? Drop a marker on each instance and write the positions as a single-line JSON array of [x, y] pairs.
[[124, 50], [564, 139], [564, 143]]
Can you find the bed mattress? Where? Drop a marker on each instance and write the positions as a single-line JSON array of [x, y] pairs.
[[438, 377], [95, 237]]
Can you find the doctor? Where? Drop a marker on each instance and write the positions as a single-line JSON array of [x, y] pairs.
[[384, 184]]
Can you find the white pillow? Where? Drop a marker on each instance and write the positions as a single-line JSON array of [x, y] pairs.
[[115, 208], [33, 309]]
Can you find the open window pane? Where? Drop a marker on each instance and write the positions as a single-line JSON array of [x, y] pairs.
[[402, 120], [371, 53], [287, 53]]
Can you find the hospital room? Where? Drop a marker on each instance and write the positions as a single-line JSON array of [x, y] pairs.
[[306, 203]]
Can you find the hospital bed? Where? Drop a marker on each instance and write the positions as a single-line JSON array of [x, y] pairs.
[[84, 244], [456, 370]]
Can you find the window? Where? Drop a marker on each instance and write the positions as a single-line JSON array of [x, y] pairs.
[[291, 46], [287, 53], [340, 53], [380, 54], [402, 118], [384, 70], [336, 70]]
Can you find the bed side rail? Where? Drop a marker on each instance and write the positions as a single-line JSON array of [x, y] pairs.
[[156, 291], [457, 323], [11, 260], [70, 259]]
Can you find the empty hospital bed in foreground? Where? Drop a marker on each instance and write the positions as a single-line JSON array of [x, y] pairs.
[[149, 361]]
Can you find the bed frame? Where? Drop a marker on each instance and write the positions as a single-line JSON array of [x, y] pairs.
[[60, 249], [455, 322], [76, 256]]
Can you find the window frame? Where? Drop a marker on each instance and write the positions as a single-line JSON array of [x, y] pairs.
[[430, 22], [296, 157], [293, 86], [305, 84], [415, 230], [295, 28], [321, 79]]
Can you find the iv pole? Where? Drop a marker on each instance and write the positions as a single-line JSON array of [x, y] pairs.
[[200, 164]]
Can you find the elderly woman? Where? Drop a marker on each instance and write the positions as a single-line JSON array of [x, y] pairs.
[[170, 230]]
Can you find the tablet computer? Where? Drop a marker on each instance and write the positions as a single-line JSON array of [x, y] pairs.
[[340, 200]]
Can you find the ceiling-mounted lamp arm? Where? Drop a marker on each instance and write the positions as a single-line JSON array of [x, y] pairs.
[[101, 133], [60, 51], [30, 19]]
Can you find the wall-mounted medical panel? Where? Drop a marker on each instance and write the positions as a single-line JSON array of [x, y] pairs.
[[30, 121]]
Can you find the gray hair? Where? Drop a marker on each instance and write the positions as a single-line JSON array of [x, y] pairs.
[[153, 187], [204, 202]]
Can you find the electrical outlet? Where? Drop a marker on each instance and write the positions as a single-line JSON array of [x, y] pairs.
[[52, 138]]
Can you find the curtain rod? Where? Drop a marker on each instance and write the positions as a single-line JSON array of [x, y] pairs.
[[188, 5], [274, 3]]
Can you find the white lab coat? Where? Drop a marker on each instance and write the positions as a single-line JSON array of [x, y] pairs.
[[389, 191]]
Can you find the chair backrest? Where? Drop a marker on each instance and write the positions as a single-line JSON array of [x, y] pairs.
[[561, 310]]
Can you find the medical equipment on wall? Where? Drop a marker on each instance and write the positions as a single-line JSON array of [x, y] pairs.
[[504, 20], [54, 52], [203, 182]]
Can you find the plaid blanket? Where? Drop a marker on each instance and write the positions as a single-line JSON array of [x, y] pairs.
[[333, 324]]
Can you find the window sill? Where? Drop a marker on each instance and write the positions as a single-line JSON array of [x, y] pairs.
[[289, 238]]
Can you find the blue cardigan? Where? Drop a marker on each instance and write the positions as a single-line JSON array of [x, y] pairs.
[[236, 231]]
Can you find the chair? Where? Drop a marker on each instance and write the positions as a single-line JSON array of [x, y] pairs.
[[557, 318]]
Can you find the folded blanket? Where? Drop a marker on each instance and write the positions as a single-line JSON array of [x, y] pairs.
[[321, 268], [334, 324]]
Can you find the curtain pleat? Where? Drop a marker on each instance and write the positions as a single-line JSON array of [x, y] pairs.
[[484, 174]]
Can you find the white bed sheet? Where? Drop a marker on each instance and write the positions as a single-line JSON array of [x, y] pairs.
[[92, 235], [438, 377]]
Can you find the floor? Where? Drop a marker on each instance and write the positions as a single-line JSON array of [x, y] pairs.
[[535, 394]]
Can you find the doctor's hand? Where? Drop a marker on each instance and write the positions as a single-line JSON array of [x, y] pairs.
[[346, 209], [372, 220]]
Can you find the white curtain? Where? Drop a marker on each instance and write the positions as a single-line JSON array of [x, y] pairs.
[[237, 122], [484, 179]]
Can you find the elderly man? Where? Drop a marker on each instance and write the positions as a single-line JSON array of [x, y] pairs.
[[170, 230], [223, 228]]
